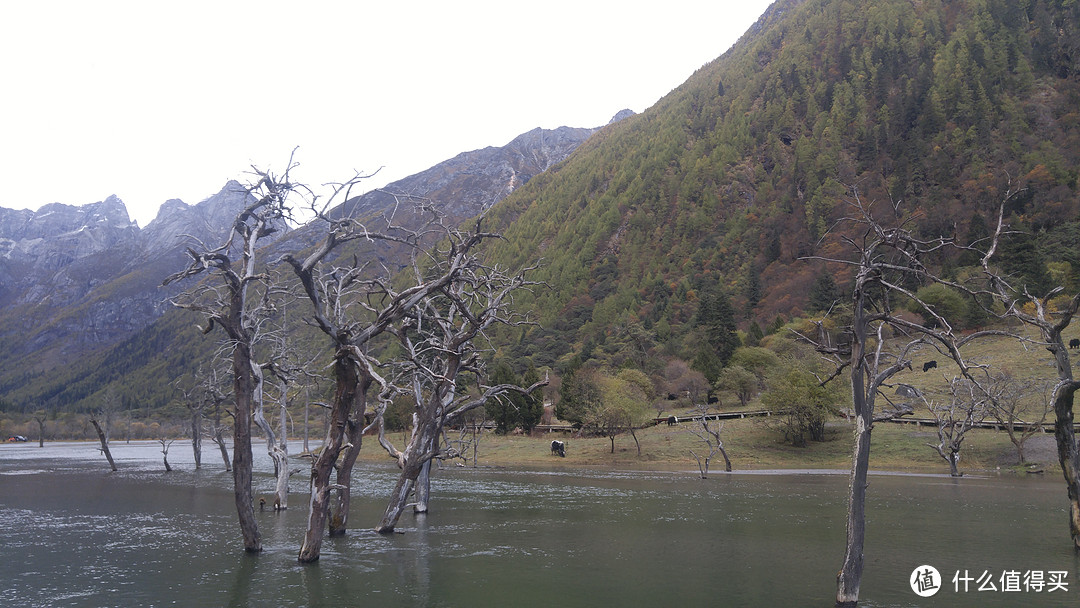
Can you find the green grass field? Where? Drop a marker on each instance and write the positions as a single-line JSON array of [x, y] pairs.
[[752, 445]]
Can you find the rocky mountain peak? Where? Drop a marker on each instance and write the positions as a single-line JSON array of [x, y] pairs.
[[177, 220]]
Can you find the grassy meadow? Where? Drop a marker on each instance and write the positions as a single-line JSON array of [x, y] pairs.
[[752, 443]]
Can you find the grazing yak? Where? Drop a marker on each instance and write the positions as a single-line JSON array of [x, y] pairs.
[[929, 365], [558, 447], [1074, 343], [672, 420]]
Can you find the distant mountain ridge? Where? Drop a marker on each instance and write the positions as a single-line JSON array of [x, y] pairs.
[[77, 281], [464, 186], [74, 278]]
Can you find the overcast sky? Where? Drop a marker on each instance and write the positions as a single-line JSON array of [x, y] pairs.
[[159, 100]]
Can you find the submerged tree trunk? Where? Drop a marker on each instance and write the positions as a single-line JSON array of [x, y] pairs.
[[104, 442], [339, 513], [278, 451], [346, 373], [196, 436], [849, 578], [165, 445], [423, 488], [244, 393], [41, 430], [417, 454], [283, 449], [1067, 453], [219, 439]]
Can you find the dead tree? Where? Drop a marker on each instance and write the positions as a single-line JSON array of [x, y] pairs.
[[96, 419], [877, 343], [709, 435], [352, 304], [166, 443], [195, 405], [1050, 323], [212, 396], [965, 407], [217, 435], [283, 370], [441, 339], [225, 301], [40, 418], [1007, 396]]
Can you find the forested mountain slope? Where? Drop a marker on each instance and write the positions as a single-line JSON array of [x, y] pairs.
[[729, 180]]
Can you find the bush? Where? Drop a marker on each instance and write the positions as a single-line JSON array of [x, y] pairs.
[[801, 405]]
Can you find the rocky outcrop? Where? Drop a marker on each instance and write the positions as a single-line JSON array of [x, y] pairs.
[[56, 235], [177, 222]]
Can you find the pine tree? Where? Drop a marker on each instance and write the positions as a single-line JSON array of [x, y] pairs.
[[716, 320], [823, 293]]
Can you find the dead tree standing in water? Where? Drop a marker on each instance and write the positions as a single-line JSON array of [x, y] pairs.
[[195, 405], [166, 443], [40, 418], [96, 419], [283, 371], [709, 435], [213, 397], [352, 304], [1050, 324], [441, 339], [885, 260], [225, 302]]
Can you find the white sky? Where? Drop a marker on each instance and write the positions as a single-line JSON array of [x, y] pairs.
[[157, 100]]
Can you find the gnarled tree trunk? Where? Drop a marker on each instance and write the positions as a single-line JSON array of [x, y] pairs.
[[242, 462], [849, 578], [1068, 455], [419, 452], [196, 435], [278, 451], [219, 439], [104, 443], [347, 377], [339, 508], [423, 488]]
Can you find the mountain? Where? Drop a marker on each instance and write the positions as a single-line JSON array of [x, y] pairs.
[[81, 305], [464, 186], [661, 226], [78, 279], [723, 187]]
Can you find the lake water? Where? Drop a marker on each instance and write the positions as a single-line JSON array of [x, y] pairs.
[[75, 534]]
